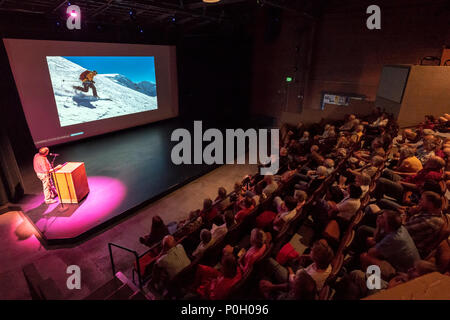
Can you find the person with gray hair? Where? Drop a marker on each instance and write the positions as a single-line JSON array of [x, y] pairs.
[[304, 138], [205, 242], [312, 180], [42, 168], [329, 164], [428, 148], [370, 169], [350, 124], [409, 165], [169, 263], [258, 247]]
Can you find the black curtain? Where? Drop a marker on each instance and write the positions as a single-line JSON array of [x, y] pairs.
[[11, 186]]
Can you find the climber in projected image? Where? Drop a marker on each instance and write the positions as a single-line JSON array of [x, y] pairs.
[[87, 78], [126, 85]]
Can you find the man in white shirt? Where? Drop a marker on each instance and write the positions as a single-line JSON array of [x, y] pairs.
[[42, 168], [271, 186], [348, 207], [175, 258], [382, 121]]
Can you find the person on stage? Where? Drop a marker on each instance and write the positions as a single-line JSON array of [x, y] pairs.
[[42, 168]]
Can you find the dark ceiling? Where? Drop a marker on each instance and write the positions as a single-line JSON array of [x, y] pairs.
[[190, 14]]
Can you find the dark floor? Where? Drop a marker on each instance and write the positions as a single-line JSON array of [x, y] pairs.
[[125, 169]]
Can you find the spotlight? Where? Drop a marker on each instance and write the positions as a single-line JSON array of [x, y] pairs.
[[74, 17], [174, 19], [132, 14]]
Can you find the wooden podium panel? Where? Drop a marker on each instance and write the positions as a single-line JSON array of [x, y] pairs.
[[445, 56], [71, 180]]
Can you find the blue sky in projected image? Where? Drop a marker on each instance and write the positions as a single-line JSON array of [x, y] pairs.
[[136, 69]]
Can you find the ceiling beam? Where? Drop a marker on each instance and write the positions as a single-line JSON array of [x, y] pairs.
[[21, 10], [102, 8], [187, 19], [202, 4], [59, 5], [170, 9]]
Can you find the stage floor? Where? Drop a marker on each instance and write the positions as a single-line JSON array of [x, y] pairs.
[[126, 170]]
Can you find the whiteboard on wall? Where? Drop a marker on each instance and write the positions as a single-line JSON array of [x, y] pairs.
[[393, 82]]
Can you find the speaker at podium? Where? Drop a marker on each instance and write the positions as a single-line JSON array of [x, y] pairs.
[[71, 182]]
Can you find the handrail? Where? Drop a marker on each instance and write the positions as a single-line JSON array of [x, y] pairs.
[[113, 267]]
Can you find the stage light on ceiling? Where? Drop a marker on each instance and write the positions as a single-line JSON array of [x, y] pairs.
[[74, 17], [211, 1], [288, 79]]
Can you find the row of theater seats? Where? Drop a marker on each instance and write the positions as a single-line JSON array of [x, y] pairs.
[[340, 240], [176, 288]]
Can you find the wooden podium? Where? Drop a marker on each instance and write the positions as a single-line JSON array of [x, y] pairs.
[[71, 182]]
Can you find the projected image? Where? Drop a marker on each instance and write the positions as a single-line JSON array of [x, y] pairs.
[[94, 88]]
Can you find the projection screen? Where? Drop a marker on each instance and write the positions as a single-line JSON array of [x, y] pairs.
[[75, 90]]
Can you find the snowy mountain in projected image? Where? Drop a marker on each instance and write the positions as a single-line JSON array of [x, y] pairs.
[[118, 95]]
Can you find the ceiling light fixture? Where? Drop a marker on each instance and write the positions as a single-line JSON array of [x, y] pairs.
[[211, 1]]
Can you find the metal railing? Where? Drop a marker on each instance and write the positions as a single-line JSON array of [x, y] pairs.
[[136, 256]]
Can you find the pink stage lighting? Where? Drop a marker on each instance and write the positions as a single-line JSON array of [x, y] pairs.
[[73, 14]]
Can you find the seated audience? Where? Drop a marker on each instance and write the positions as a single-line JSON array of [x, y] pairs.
[[319, 269], [431, 171], [349, 125], [206, 241], [222, 201], [425, 221], [409, 164], [248, 206], [363, 181], [258, 247], [347, 208], [157, 233], [303, 287], [394, 233], [209, 212], [392, 243], [288, 209], [271, 186], [216, 284], [170, 262]]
